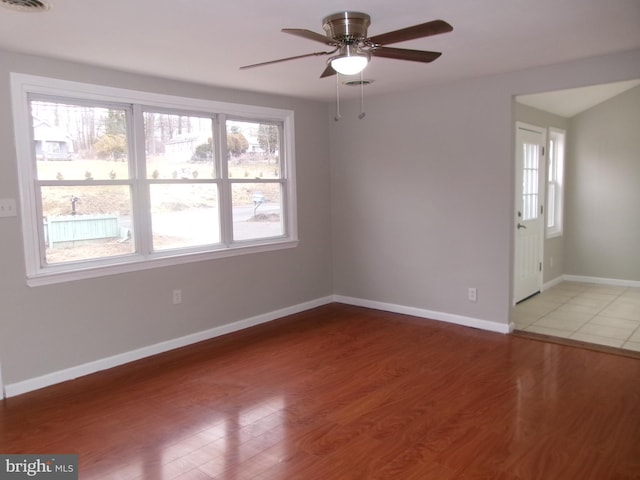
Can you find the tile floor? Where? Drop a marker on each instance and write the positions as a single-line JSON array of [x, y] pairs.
[[600, 314]]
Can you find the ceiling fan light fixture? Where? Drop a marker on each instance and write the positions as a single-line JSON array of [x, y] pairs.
[[352, 48], [349, 65], [350, 61]]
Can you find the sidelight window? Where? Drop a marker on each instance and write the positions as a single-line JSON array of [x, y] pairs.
[[555, 182]]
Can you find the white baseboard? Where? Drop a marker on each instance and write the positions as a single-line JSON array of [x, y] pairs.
[[601, 281], [18, 388], [553, 283], [49, 379], [423, 313]]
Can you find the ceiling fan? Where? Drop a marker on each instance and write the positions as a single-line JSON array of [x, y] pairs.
[[346, 32]]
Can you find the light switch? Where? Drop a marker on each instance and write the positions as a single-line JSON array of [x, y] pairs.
[[8, 207]]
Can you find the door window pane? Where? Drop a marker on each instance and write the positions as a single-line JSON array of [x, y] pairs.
[[530, 188]]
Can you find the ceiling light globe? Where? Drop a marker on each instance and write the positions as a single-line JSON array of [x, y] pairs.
[[349, 65]]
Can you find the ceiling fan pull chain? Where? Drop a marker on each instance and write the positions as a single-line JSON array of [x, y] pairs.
[[362, 114], [338, 116]]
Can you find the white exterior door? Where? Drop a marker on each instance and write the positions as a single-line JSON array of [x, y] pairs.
[[529, 219]]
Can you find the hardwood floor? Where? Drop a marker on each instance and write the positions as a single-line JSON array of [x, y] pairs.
[[342, 392]]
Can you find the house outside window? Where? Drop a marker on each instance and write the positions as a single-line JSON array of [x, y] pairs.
[[114, 180]]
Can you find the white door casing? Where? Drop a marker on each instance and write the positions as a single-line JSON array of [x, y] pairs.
[[529, 218]]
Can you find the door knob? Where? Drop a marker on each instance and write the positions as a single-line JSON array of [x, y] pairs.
[[521, 226]]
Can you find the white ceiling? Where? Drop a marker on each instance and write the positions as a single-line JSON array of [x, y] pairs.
[[206, 41], [568, 103]]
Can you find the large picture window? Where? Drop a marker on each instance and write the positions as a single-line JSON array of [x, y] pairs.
[[115, 180]]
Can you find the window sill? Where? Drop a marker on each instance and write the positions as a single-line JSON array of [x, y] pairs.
[[138, 264]]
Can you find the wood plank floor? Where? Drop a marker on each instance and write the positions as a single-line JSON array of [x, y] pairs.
[[342, 392]]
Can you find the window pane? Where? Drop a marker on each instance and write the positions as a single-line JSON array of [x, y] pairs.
[[179, 146], [75, 142], [555, 186], [254, 150], [530, 184], [86, 222], [184, 215], [257, 210], [551, 205], [552, 161]]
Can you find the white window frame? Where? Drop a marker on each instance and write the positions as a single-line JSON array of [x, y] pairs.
[[37, 273], [556, 160]]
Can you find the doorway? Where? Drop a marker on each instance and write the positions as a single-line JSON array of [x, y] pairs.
[[587, 295], [529, 212]]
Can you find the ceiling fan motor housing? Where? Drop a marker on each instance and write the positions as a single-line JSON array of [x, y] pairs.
[[347, 27]]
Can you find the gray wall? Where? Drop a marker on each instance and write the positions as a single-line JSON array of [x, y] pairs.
[[50, 328], [603, 190], [553, 247], [423, 188], [421, 202]]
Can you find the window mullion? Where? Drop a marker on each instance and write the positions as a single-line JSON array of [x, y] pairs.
[[287, 165], [40, 228], [140, 186], [226, 203]]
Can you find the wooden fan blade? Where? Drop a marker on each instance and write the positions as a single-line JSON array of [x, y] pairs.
[[309, 35], [405, 54], [428, 29], [285, 59], [329, 71]]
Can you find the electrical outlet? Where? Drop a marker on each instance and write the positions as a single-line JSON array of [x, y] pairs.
[[472, 294], [177, 297], [7, 207]]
